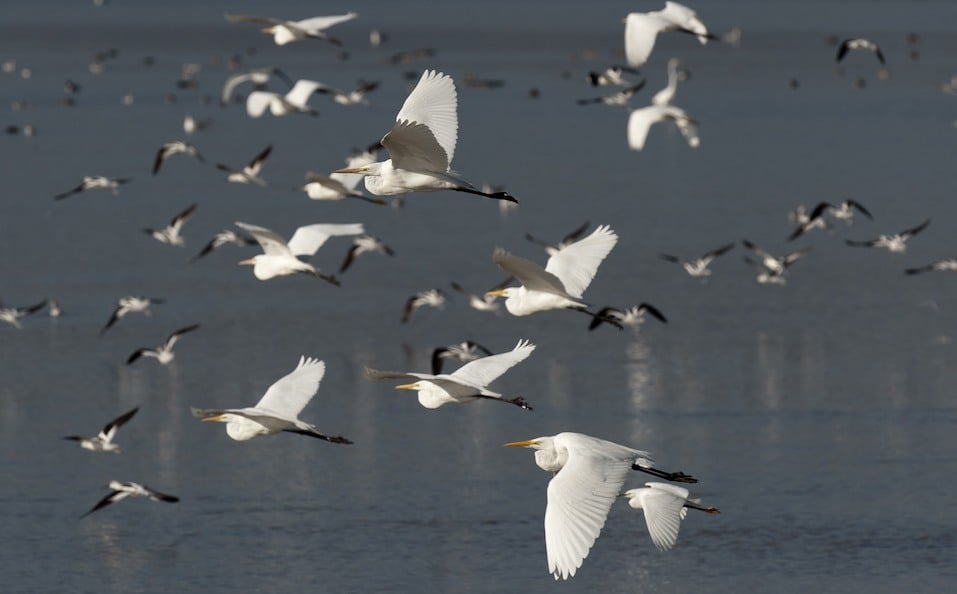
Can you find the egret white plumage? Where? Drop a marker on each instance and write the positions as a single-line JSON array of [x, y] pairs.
[[664, 506], [281, 258], [570, 238], [562, 282], [171, 233], [164, 352], [484, 302], [339, 186], [641, 120], [250, 173], [465, 384], [611, 76], [121, 490], [130, 304], [284, 32], [896, 243], [177, 147], [278, 410], [259, 77], [642, 29], [295, 101], [421, 145], [699, 267], [588, 475], [103, 442], [666, 95], [95, 182]]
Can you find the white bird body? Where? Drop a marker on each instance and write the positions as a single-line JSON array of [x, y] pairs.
[[588, 476], [562, 282], [339, 186], [130, 304], [421, 145], [95, 182], [280, 258], [164, 352], [699, 267], [259, 77], [249, 174], [642, 29], [664, 506], [278, 410], [295, 101], [895, 243], [103, 442], [176, 147], [171, 234], [284, 32], [426, 298], [122, 490], [666, 95], [364, 244], [466, 384], [641, 120], [12, 315]]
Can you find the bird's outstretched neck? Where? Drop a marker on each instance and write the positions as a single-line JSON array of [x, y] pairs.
[[495, 195], [675, 477]]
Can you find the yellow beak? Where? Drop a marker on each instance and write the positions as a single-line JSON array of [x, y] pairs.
[[496, 293], [350, 170], [216, 418], [521, 444], [414, 386], [249, 262]]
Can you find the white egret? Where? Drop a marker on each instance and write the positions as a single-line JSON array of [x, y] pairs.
[[95, 182], [421, 145], [284, 32], [280, 258], [642, 29], [896, 242], [103, 442], [561, 283], [633, 317], [860, 44], [699, 267], [164, 352], [569, 239], [12, 315], [429, 297], [175, 148], [364, 244], [121, 490], [278, 410], [171, 233], [225, 237], [666, 95], [130, 304], [588, 476], [465, 384], [641, 120], [250, 173], [948, 264], [259, 77], [295, 101], [463, 352], [664, 506]]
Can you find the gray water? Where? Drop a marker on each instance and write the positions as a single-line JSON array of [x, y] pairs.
[[818, 416]]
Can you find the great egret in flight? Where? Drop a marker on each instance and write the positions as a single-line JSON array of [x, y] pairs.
[[666, 95], [259, 77], [280, 258], [278, 410], [339, 186], [103, 442], [641, 120], [561, 283], [421, 145], [588, 475], [284, 32], [664, 506], [642, 29], [295, 101], [466, 383]]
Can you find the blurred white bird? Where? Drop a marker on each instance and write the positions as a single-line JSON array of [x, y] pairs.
[[611, 76], [175, 148], [947, 265], [12, 315], [122, 490], [356, 96], [280, 258], [295, 101], [171, 233], [633, 317], [463, 352], [339, 186], [666, 95], [260, 77], [278, 410], [860, 44], [364, 244], [164, 352], [699, 267], [130, 304], [95, 182], [771, 268], [429, 297], [103, 442], [465, 384], [484, 302], [641, 120], [896, 243], [284, 32], [664, 506], [421, 144], [569, 239], [619, 99], [225, 237], [588, 476], [642, 28], [250, 173]]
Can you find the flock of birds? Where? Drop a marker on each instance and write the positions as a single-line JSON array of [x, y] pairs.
[[589, 473]]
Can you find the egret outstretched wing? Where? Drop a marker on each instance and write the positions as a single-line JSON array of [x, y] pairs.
[[258, 102], [272, 243], [307, 240], [324, 22], [532, 276], [291, 393], [426, 128], [484, 371], [664, 507], [576, 264], [302, 90]]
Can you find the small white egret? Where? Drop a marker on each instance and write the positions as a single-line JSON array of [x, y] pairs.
[[699, 267], [339, 186], [259, 77], [588, 476], [130, 304], [284, 32], [642, 29], [250, 173], [641, 120], [364, 244], [278, 410], [121, 490], [860, 44], [171, 233], [95, 182], [103, 442], [664, 506], [463, 352], [421, 145], [175, 148], [429, 298], [465, 384], [666, 95], [896, 243], [295, 101], [561, 283], [281, 258], [164, 352]]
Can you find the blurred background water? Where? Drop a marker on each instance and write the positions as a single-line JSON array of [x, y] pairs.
[[819, 416]]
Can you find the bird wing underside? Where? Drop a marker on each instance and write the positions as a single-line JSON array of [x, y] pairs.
[[532, 276], [413, 146]]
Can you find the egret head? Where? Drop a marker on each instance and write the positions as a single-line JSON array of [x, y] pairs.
[[506, 292], [370, 169]]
